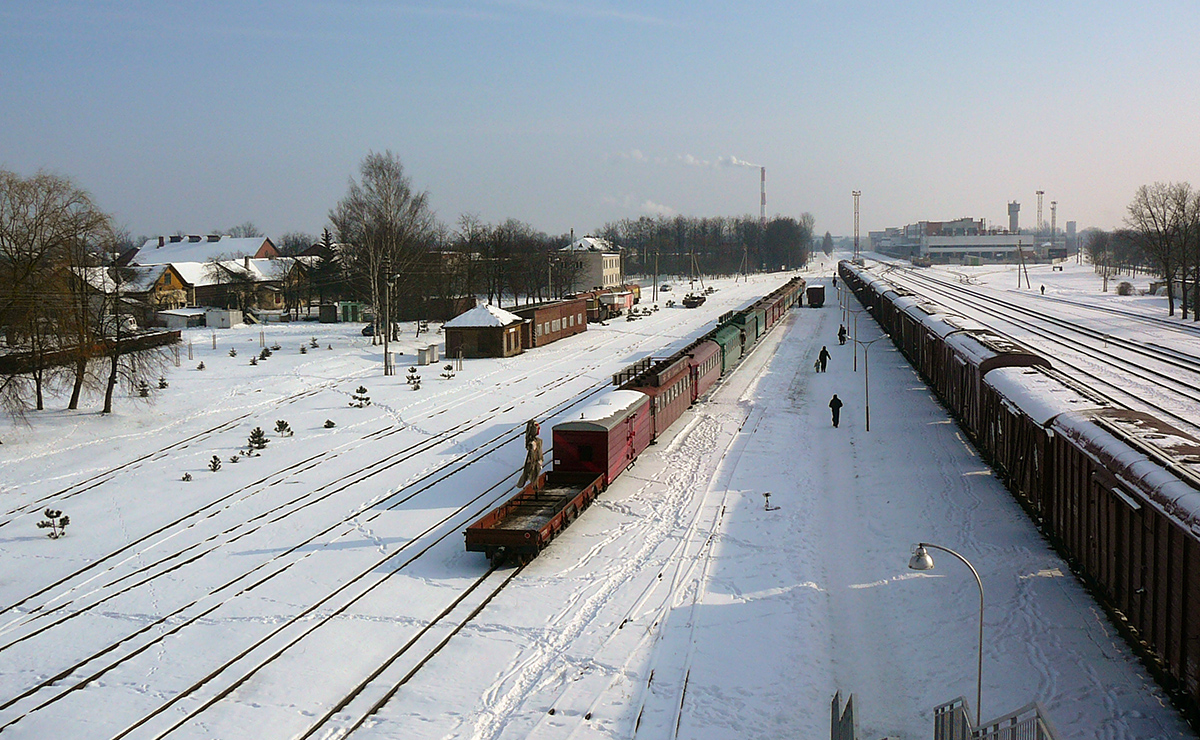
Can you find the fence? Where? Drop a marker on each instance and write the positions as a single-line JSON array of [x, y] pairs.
[[952, 721]]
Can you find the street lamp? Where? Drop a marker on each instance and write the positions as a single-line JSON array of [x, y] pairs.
[[867, 372], [854, 334], [921, 560]]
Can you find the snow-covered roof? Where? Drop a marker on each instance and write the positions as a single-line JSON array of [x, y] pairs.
[[1040, 396], [199, 274], [193, 311], [198, 249], [481, 316], [589, 244], [606, 412], [134, 279]]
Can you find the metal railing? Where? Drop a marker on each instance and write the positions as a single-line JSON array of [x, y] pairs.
[[952, 721]]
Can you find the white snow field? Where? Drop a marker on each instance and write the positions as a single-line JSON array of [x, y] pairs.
[[676, 606]]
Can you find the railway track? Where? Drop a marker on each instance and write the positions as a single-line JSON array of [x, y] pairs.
[[194, 612], [1129, 357]]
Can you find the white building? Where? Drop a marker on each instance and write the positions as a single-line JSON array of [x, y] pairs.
[[596, 261]]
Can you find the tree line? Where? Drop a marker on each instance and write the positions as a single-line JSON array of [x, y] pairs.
[[1161, 236], [383, 246]]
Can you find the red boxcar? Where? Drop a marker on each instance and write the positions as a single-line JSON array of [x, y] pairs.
[[606, 438], [669, 385], [704, 363]]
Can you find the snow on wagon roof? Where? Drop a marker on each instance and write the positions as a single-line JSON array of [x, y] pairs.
[[605, 413], [1038, 395], [483, 315]]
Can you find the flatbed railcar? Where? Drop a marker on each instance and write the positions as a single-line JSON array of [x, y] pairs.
[[1116, 491], [521, 527]]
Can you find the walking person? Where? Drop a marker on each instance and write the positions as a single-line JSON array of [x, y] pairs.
[[823, 357], [842, 334], [835, 405]]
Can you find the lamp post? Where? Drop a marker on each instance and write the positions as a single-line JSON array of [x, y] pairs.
[[854, 334], [867, 374], [921, 560]]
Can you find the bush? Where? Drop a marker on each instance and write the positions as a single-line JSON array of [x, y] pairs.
[[360, 398], [329, 424], [1124, 288], [56, 522], [258, 439], [214, 464]]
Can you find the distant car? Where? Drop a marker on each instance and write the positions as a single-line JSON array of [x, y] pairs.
[[664, 286], [368, 330]]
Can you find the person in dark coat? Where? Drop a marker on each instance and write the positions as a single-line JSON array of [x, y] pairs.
[[835, 405], [823, 358], [842, 334]]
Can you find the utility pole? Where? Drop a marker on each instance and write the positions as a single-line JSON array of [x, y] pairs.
[[856, 194], [387, 315], [1053, 221]]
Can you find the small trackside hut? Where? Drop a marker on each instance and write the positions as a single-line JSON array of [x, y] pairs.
[[484, 331]]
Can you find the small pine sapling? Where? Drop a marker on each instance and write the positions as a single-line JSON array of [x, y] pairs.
[[200, 366], [143, 388], [56, 522], [448, 371], [264, 354], [258, 439], [329, 347], [253, 360], [235, 457], [232, 352], [282, 428], [329, 424], [303, 350], [162, 382], [314, 343], [360, 398], [186, 477], [214, 464], [413, 379], [276, 347]]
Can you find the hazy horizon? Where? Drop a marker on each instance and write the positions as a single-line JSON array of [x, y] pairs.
[[569, 115]]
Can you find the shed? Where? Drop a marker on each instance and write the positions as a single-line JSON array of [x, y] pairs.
[[222, 318], [484, 331], [183, 318]]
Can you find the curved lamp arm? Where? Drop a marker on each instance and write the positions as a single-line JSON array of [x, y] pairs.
[[921, 560]]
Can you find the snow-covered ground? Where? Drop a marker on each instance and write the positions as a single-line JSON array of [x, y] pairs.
[[677, 606]]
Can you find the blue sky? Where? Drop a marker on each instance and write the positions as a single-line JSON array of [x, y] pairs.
[[200, 115]]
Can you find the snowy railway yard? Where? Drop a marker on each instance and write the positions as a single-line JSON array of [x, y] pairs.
[[322, 586]]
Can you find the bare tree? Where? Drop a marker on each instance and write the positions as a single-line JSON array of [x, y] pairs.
[[385, 226], [243, 230], [294, 242], [48, 230], [1155, 215]]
